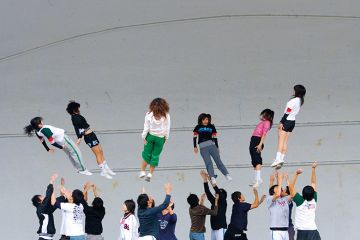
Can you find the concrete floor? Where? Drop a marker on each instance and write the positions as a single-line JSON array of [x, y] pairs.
[[204, 61]]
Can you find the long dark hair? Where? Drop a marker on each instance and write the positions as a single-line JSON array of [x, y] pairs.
[[73, 107], [268, 114], [33, 126], [202, 116], [130, 205], [300, 92]]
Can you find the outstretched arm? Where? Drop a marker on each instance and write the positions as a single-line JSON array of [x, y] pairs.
[[313, 175], [255, 204], [209, 195], [277, 194], [293, 182]]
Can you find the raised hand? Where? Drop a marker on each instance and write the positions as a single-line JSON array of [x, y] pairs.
[[314, 165], [168, 188], [299, 171], [204, 175], [53, 178]]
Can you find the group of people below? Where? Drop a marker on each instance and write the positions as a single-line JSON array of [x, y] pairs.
[[159, 222]]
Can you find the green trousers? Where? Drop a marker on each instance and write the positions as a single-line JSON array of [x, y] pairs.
[[152, 149]]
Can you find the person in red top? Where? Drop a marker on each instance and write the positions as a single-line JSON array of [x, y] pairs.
[[257, 143]]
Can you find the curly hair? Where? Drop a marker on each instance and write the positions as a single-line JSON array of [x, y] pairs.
[[159, 107]]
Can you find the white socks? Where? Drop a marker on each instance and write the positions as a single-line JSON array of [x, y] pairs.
[[278, 156], [257, 175], [102, 166], [282, 157]]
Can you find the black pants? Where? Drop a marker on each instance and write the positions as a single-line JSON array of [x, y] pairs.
[[256, 158], [308, 235], [233, 234], [63, 237]]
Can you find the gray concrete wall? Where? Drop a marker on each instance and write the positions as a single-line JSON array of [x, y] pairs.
[[232, 67]]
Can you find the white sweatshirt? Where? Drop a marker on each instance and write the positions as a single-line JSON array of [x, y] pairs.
[[74, 219], [159, 128], [129, 228], [292, 108]]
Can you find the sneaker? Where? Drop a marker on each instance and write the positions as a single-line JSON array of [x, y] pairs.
[[279, 166], [148, 177], [106, 175], [228, 177], [85, 172], [109, 171], [142, 174], [213, 181], [277, 162], [257, 183]]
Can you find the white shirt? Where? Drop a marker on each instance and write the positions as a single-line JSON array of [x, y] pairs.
[[292, 108], [74, 218], [53, 134], [63, 219], [156, 127], [129, 228], [305, 213]]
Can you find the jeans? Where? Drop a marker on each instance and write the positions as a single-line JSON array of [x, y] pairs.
[[197, 236]]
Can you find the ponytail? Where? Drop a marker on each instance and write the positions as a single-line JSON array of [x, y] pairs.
[[34, 125], [300, 92]]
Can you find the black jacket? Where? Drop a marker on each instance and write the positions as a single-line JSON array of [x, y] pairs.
[[93, 218], [45, 213], [218, 221]]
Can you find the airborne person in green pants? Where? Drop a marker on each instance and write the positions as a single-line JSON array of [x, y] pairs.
[[155, 134]]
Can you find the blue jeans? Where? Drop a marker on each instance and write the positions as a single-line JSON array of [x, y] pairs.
[[197, 236], [82, 237]]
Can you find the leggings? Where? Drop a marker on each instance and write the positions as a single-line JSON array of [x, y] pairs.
[[207, 153]]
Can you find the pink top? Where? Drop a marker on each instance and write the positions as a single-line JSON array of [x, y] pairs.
[[262, 128]]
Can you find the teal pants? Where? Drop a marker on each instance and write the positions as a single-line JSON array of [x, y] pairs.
[[153, 149]]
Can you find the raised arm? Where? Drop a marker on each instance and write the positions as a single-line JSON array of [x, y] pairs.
[[293, 182], [209, 195], [87, 186], [255, 204], [50, 192], [277, 194], [313, 175], [272, 179], [165, 204]]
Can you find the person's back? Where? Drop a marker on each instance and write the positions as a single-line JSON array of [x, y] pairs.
[[305, 212], [93, 221], [149, 224], [198, 217]]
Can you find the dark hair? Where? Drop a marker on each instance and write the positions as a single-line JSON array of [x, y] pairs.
[[272, 189], [173, 206], [130, 205], [34, 125], [268, 114], [77, 196], [300, 92], [235, 196], [36, 200], [73, 107], [98, 203], [142, 201], [202, 116], [159, 107], [193, 200], [308, 193]]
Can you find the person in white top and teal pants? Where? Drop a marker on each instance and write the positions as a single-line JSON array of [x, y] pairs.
[[306, 205], [57, 138], [155, 134]]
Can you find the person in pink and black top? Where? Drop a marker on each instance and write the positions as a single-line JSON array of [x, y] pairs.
[[257, 143]]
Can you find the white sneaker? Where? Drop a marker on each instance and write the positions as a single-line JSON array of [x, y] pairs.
[[213, 180], [105, 174], [257, 183], [142, 174], [85, 172], [277, 162], [109, 171], [228, 177], [148, 177]]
